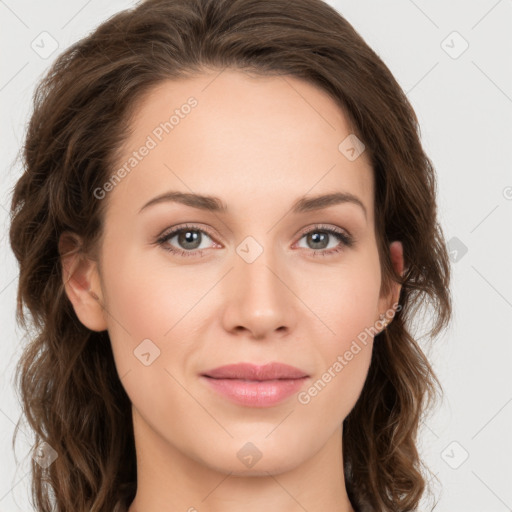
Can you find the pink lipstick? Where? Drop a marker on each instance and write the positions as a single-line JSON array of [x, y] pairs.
[[256, 386]]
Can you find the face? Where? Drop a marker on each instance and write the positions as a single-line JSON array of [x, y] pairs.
[[269, 278]]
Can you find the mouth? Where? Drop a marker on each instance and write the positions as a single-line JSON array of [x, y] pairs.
[[255, 386]]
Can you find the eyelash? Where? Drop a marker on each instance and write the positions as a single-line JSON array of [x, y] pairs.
[[345, 239]]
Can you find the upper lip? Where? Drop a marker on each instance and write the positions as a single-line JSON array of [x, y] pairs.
[[249, 371]]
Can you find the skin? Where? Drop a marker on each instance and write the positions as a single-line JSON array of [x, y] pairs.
[[258, 143]]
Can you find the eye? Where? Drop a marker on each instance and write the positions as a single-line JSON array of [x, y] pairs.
[[189, 237], [318, 239]]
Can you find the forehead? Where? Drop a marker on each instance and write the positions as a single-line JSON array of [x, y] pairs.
[[240, 137]]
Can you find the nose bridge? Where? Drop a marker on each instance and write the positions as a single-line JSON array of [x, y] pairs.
[[257, 270], [258, 298]]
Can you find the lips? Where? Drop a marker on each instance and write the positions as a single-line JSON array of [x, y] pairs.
[[248, 371], [251, 385]]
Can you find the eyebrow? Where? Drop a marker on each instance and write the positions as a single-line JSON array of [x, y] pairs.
[[215, 204]]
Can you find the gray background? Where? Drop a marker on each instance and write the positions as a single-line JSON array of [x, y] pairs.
[[463, 99]]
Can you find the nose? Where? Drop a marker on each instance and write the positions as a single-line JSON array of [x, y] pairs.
[[259, 298]]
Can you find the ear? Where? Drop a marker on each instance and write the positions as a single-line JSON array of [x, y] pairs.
[[81, 283], [397, 260]]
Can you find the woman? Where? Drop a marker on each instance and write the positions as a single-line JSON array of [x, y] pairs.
[[225, 227]]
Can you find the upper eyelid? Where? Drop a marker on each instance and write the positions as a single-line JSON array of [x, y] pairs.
[[174, 230]]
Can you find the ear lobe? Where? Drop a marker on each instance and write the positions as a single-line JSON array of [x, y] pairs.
[[81, 283]]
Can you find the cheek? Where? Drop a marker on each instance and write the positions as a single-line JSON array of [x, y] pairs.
[[345, 360], [152, 320], [346, 304], [147, 298], [146, 320], [344, 299]]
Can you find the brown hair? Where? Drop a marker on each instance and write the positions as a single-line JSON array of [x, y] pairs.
[[71, 393]]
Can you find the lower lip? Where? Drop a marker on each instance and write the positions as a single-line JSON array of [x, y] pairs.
[[256, 393]]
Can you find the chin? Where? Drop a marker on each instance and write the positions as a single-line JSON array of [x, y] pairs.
[[267, 460], [261, 468]]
